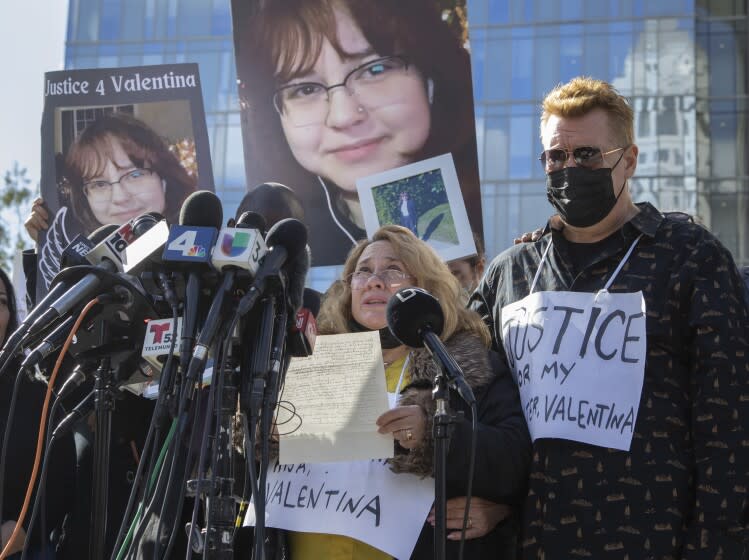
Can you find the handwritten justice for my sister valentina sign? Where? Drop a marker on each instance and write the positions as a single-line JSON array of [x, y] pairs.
[[579, 363]]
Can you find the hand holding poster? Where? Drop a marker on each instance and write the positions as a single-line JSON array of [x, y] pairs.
[[335, 91]]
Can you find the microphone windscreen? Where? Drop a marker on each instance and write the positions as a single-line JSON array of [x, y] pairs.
[[202, 208], [251, 220], [274, 201], [412, 311], [311, 301], [144, 222], [101, 233], [290, 234], [296, 272]]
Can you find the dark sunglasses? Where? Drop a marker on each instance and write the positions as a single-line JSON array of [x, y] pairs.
[[585, 156]]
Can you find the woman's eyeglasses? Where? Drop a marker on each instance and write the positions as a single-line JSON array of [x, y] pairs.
[[375, 84], [100, 190], [584, 156], [391, 277]]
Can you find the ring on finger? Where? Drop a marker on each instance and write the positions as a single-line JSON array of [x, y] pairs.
[[409, 435], [470, 523]]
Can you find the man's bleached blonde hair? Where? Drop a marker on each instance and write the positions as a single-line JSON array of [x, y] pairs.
[[583, 94]]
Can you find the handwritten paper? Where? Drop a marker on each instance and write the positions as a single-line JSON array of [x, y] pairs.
[[338, 393], [363, 500], [579, 363]]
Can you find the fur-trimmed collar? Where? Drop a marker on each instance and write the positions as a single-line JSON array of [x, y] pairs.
[[473, 357]]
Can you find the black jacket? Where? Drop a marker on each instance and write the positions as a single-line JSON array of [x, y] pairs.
[[678, 491]]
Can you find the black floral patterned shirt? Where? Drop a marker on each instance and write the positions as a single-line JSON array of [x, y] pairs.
[[681, 489]]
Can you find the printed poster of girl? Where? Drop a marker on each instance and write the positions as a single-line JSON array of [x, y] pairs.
[[332, 91], [117, 143]]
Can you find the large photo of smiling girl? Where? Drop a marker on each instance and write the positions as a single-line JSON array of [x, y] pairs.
[[335, 90], [116, 143]]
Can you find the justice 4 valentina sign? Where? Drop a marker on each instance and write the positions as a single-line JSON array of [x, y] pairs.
[[364, 500], [579, 363]]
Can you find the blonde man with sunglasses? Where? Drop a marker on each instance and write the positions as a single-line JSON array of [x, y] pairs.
[[628, 336]]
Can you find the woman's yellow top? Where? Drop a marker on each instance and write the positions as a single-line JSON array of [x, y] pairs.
[[319, 546]]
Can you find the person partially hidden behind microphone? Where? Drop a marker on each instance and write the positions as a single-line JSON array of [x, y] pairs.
[[22, 448], [629, 334], [373, 272]]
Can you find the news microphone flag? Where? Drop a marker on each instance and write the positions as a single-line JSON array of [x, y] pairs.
[[189, 244], [238, 247]]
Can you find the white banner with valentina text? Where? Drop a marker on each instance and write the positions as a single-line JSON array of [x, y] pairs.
[[363, 500], [579, 362]]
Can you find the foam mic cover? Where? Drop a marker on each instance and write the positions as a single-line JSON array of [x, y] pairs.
[[101, 233], [311, 301], [415, 318], [251, 220], [203, 209], [274, 201], [411, 312], [296, 271], [290, 234], [144, 222]]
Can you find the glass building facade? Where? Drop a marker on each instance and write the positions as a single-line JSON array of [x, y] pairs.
[[683, 64]]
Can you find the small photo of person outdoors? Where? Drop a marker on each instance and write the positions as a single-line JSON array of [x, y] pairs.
[[420, 204], [335, 90]]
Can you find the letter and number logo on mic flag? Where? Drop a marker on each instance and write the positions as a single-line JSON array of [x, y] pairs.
[[189, 243], [233, 245]]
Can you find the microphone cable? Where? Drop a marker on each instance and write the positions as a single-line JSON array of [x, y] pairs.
[[152, 438], [51, 440], [218, 410], [42, 425], [125, 546], [217, 379], [469, 485]]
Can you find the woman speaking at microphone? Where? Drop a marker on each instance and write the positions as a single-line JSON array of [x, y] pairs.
[[395, 258]]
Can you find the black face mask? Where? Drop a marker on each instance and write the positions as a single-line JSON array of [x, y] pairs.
[[583, 197], [387, 340]]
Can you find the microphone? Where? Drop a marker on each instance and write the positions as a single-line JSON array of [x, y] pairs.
[[286, 240], [303, 332], [158, 340], [415, 318], [112, 248], [50, 344], [57, 290], [199, 220], [190, 243], [152, 233], [106, 257], [274, 201], [241, 247], [83, 408]]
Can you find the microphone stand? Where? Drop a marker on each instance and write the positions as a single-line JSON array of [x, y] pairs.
[[441, 430], [441, 433], [220, 514], [103, 407]]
